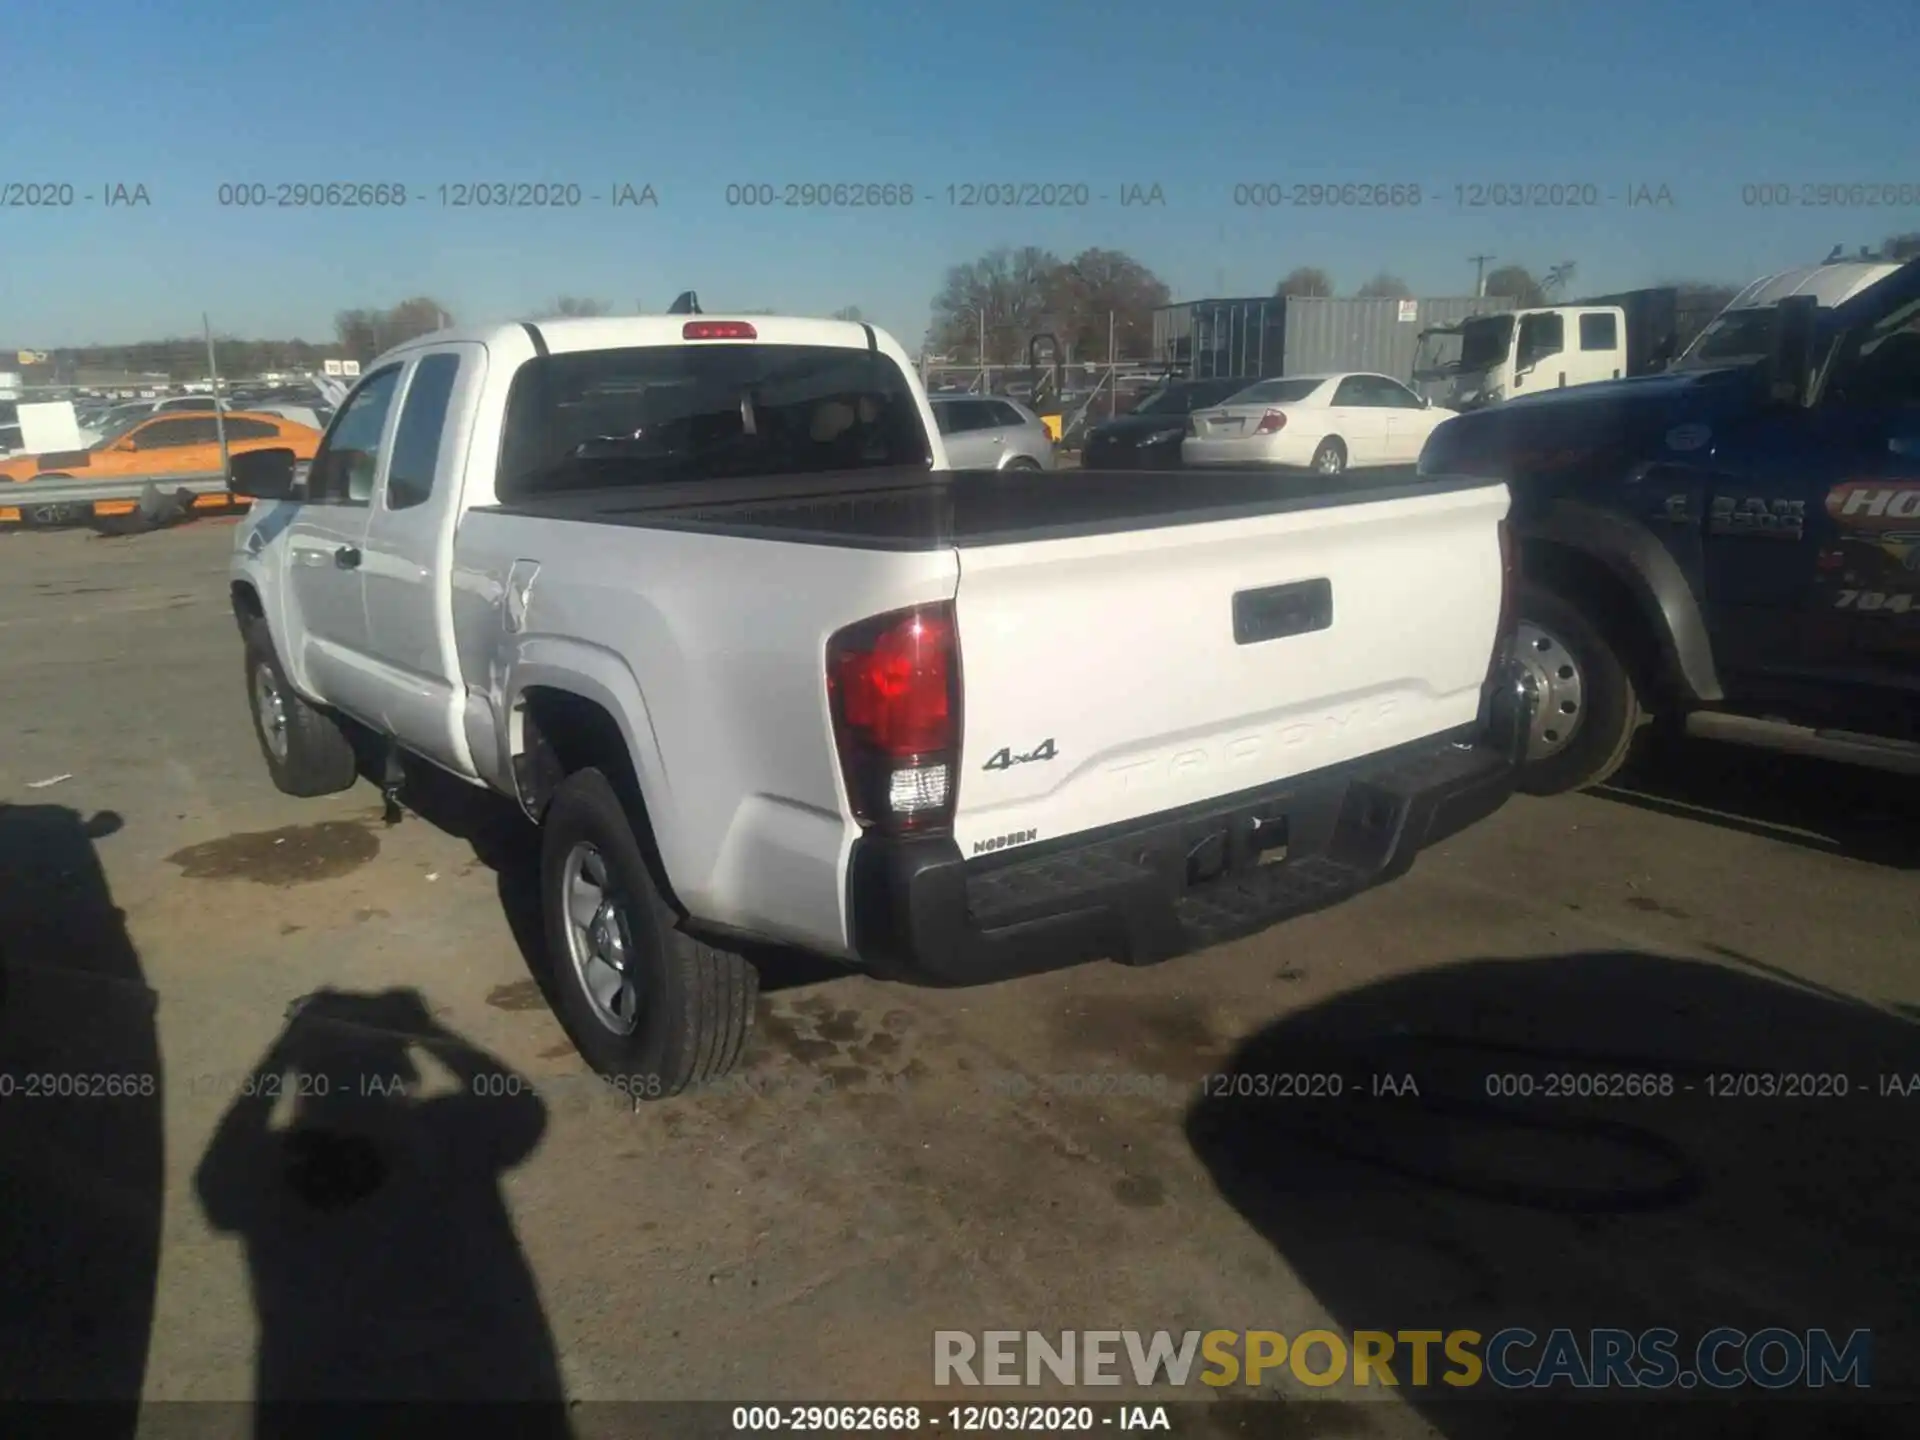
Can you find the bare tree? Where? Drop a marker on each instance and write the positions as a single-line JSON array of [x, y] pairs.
[[1515, 283], [1559, 277], [1384, 286], [848, 312], [1901, 247], [1103, 295], [367, 333], [1306, 280], [1004, 295]]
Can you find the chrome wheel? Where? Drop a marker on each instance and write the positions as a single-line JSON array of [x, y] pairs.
[[271, 706], [1556, 679], [1328, 460], [600, 940]]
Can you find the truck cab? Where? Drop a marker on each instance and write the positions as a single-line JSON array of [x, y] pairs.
[[1741, 330], [1522, 352], [1731, 548]]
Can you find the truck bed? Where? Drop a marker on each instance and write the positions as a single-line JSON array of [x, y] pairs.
[[921, 510]]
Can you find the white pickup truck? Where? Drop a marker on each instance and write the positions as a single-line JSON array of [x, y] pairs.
[[701, 596]]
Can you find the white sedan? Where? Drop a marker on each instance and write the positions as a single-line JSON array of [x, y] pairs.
[[1327, 423]]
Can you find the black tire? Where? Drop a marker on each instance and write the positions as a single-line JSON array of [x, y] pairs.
[[1023, 462], [694, 1004], [1330, 456], [318, 757], [1598, 732]]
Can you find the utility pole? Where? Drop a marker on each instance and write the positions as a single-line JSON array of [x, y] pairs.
[[1479, 263]]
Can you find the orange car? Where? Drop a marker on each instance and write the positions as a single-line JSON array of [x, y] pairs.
[[165, 444]]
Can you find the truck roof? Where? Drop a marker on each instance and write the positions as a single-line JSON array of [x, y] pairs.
[[622, 332], [1829, 285]]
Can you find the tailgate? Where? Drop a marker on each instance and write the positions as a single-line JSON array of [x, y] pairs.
[[1104, 678]]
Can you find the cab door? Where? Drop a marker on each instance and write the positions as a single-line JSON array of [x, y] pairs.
[[1813, 534], [408, 555], [326, 629]]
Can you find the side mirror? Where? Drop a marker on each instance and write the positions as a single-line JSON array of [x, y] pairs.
[[125, 447], [264, 475], [1790, 365]]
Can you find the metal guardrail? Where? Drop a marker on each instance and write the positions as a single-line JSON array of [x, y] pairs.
[[64, 501]]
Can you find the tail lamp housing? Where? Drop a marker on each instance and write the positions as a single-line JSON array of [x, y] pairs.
[[893, 684], [1271, 423]]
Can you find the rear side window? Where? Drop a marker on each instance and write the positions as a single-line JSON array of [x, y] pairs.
[[1005, 414], [251, 430], [1598, 332], [423, 420], [1279, 392], [172, 434], [671, 413]]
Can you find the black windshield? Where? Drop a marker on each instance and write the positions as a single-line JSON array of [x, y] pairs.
[[600, 418], [1484, 342]]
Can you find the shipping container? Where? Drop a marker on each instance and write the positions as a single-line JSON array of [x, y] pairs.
[[1264, 337], [1218, 339], [1377, 335]]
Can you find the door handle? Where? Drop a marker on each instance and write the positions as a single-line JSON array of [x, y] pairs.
[[347, 558]]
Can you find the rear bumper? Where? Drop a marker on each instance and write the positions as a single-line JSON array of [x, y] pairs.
[[1170, 883], [1263, 450]]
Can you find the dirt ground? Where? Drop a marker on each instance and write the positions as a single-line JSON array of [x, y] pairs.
[[1047, 1154]]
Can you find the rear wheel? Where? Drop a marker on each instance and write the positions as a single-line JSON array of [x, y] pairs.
[[1589, 709], [648, 1006], [307, 751], [1331, 456], [1023, 462]]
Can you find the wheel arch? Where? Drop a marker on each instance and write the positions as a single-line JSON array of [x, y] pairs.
[[1632, 588], [557, 727]]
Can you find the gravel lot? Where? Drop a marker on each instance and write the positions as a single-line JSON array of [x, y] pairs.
[[876, 1176]]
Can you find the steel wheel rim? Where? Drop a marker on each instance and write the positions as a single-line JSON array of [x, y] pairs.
[[600, 940], [1560, 686], [271, 708]]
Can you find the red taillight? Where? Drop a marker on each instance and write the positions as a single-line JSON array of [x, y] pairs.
[[718, 330], [1271, 423], [894, 686]]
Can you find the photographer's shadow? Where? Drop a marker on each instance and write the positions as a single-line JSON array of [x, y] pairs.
[[384, 1262], [82, 1162]]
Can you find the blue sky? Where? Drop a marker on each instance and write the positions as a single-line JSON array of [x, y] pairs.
[[1700, 97]]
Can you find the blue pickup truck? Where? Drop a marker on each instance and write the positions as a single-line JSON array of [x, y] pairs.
[[1732, 546]]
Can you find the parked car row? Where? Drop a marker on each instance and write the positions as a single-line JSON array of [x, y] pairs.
[[1326, 423]]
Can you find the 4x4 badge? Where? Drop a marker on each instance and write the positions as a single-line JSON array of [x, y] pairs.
[[1005, 759]]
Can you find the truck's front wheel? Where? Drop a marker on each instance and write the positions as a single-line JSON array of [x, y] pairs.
[[306, 750], [647, 1005], [1588, 711]]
